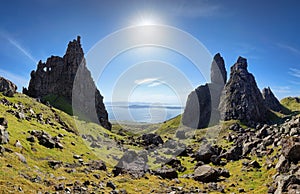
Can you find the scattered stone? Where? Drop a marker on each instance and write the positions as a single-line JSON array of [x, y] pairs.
[[76, 156], [132, 163], [21, 157], [20, 115], [30, 138], [18, 144], [282, 165], [207, 173], [254, 164], [166, 173], [180, 134], [59, 187], [3, 122], [151, 139], [55, 164], [97, 165], [206, 152], [110, 184], [291, 149], [4, 135]]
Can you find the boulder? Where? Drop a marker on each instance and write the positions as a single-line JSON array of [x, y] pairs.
[[291, 149], [283, 165], [234, 153], [7, 87], [241, 99], [166, 173], [132, 163], [151, 139], [4, 135], [205, 153], [206, 173]]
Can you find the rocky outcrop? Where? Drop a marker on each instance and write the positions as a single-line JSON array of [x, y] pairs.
[[202, 104], [241, 99], [7, 87], [270, 100], [56, 77]]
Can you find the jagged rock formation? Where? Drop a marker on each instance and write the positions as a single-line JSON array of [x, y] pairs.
[[241, 99], [218, 73], [270, 100], [7, 87], [56, 77], [202, 104]]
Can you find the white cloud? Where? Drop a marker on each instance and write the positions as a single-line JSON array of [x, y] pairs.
[[294, 72], [17, 45], [282, 89], [145, 81], [154, 84], [22, 49], [194, 9], [289, 48]]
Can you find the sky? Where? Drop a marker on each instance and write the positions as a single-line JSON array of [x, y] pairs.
[[264, 32]]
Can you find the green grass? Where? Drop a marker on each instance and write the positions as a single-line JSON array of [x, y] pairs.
[[290, 103], [59, 102], [37, 161]]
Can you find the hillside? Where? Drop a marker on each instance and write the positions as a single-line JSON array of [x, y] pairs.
[[84, 156]]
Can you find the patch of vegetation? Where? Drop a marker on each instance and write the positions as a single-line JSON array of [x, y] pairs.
[[59, 102], [291, 103]]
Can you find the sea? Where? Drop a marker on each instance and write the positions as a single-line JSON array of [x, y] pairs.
[[142, 113]]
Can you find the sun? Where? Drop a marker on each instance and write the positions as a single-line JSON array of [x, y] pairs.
[[146, 19]]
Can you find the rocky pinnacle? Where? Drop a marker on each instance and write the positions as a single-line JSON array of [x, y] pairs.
[[241, 99], [56, 77]]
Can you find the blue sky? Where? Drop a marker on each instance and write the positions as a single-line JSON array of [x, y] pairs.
[[264, 32]]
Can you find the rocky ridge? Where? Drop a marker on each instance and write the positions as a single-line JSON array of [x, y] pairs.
[[56, 77]]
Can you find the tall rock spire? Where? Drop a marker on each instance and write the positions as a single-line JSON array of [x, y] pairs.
[[241, 99], [56, 77], [201, 108]]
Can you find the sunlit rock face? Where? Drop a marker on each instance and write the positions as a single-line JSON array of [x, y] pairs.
[[201, 108], [241, 99], [57, 76]]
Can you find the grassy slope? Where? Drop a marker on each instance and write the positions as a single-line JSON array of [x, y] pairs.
[[291, 104], [11, 178]]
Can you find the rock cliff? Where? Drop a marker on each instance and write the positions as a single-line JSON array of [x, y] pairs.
[[241, 99], [202, 104], [56, 77]]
